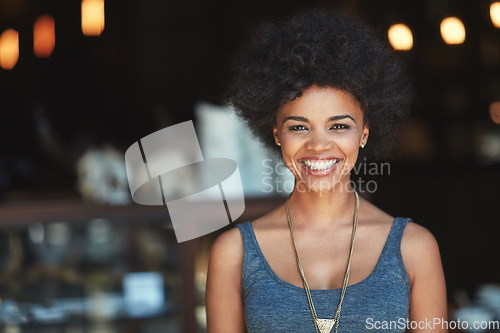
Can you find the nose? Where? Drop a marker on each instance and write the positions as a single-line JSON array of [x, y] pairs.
[[319, 141]]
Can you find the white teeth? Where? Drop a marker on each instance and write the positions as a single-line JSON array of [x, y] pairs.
[[320, 165]]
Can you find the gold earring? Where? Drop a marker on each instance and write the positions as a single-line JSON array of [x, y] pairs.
[[362, 145], [278, 143]]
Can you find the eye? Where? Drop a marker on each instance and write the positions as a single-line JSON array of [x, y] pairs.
[[340, 127], [297, 128]]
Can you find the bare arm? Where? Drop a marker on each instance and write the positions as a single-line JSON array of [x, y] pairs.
[[223, 298], [428, 305]]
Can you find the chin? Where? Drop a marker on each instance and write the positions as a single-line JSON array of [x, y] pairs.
[[326, 185]]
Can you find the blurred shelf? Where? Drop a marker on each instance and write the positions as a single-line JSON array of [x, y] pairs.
[[21, 213]]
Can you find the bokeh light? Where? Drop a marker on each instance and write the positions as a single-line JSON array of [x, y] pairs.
[[9, 49], [92, 17], [400, 37], [44, 36], [453, 30]]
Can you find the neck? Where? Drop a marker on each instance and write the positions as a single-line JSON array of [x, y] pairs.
[[330, 209]]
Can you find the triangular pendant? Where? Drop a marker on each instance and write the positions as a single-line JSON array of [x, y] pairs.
[[325, 325]]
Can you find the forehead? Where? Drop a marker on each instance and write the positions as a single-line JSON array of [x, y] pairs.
[[322, 102]]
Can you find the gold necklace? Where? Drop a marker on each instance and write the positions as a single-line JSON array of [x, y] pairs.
[[325, 325]]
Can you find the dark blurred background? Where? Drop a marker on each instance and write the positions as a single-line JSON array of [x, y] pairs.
[[156, 59]]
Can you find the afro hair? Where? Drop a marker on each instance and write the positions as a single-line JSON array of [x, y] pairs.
[[320, 48]]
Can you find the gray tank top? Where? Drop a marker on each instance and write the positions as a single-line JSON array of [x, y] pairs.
[[379, 303]]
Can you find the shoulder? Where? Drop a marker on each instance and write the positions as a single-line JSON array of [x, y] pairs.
[[417, 238], [420, 251], [225, 263], [223, 290], [422, 260], [228, 247]]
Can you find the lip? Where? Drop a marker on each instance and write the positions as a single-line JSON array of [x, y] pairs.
[[320, 173]]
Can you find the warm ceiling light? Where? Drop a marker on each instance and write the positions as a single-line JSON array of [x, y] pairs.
[[452, 30], [495, 14], [400, 37], [495, 112], [92, 17], [44, 36], [9, 49]]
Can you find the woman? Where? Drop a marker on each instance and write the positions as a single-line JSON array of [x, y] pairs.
[[319, 88]]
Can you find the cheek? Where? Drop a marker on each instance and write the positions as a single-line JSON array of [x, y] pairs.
[[290, 146], [350, 148], [348, 143]]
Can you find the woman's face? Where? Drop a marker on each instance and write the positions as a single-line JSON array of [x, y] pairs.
[[320, 135]]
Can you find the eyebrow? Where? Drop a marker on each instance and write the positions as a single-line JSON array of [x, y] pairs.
[[333, 118]]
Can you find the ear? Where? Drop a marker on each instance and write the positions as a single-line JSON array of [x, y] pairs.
[[366, 133], [275, 134]]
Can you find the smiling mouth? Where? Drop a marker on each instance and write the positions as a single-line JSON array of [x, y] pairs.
[[320, 165]]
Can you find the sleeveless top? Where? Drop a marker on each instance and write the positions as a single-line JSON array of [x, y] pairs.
[[379, 303]]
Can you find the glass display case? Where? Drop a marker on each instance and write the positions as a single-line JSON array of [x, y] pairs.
[[67, 266]]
